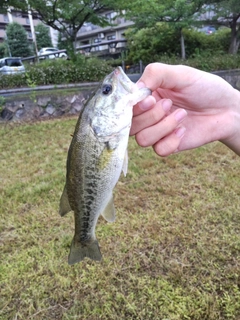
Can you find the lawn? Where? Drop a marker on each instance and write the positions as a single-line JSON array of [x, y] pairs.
[[173, 252]]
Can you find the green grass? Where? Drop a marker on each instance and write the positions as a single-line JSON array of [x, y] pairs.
[[173, 252]]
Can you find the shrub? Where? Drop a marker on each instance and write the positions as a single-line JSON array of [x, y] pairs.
[[198, 43], [147, 43], [58, 72], [206, 63], [164, 40]]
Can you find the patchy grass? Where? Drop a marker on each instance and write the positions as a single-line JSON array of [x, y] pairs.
[[173, 253]]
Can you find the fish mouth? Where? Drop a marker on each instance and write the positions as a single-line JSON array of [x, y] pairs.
[[126, 83]]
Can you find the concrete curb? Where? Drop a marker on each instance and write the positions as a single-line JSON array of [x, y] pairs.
[[15, 91]]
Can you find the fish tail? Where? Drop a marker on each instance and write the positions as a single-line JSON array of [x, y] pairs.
[[80, 251]]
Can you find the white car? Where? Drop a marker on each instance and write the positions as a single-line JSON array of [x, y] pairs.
[[51, 53], [11, 65]]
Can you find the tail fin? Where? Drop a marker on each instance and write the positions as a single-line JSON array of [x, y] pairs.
[[80, 251]]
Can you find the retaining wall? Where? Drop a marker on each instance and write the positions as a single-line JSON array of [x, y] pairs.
[[55, 101]]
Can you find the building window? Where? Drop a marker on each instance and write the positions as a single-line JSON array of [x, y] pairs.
[[16, 14], [111, 16], [111, 37], [97, 40]]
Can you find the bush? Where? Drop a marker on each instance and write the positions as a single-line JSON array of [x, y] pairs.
[[164, 40], [198, 43], [53, 72], [147, 43], [205, 62], [58, 71]]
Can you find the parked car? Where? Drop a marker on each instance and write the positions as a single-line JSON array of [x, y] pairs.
[[45, 53], [11, 65], [208, 29]]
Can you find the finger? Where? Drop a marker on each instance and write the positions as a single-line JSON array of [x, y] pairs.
[[144, 105], [170, 143], [151, 135], [151, 117], [159, 75]]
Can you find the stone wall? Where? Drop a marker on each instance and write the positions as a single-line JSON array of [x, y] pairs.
[[231, 76], [51, 102], [43, 105]]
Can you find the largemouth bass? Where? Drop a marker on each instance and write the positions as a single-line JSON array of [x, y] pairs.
[[96, 157]]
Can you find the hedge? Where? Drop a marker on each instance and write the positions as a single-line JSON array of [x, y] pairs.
[[53, 72], [58, 72]]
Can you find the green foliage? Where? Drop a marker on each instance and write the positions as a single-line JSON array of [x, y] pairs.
[[69, 16], [197, 43], [3, 50], [65, 43], [58, 72], [163, 39], [147, 43], [2, 102], [17, 40], [226, 13], [205, 62], [185, 14], [13, 81], [42, 36], [148, 13], [62, 43]]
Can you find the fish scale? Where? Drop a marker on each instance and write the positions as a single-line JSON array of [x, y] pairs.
[[96, 157]]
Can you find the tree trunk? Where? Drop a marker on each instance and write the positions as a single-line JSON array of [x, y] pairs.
[[233, 49], [183, 53]]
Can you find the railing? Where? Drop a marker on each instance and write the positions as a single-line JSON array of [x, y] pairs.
[[33, 59], [110, 43]]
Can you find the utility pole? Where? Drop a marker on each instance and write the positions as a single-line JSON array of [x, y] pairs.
[[9, 51], [33, 31]]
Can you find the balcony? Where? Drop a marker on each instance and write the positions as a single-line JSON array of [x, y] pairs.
[[90, 29]]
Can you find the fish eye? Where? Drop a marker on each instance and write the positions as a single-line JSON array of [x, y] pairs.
[[106, 89]]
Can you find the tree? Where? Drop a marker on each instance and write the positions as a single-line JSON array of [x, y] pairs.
[[3, 50], [179, 13], [42, 36], [147, 44], [226, 13], [17, 40], [68, 17]]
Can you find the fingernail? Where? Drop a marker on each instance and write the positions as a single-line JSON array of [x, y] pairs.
[[141, 84], [180, 132], [166, 105], [180, 115]]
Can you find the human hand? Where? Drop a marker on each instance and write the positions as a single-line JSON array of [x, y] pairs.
[[188, 108]]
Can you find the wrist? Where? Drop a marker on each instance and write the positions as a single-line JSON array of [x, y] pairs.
[[232, 140]]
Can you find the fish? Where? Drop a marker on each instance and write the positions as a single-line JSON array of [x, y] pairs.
[[96, 157]]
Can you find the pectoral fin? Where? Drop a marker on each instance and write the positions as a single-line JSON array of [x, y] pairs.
[[64, 207], [109, 212]]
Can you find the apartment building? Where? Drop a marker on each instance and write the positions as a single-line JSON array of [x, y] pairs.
[[103, 41], [27, 20], [91, 39]]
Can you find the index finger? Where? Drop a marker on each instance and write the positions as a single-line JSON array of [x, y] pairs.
[[159, 75]]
